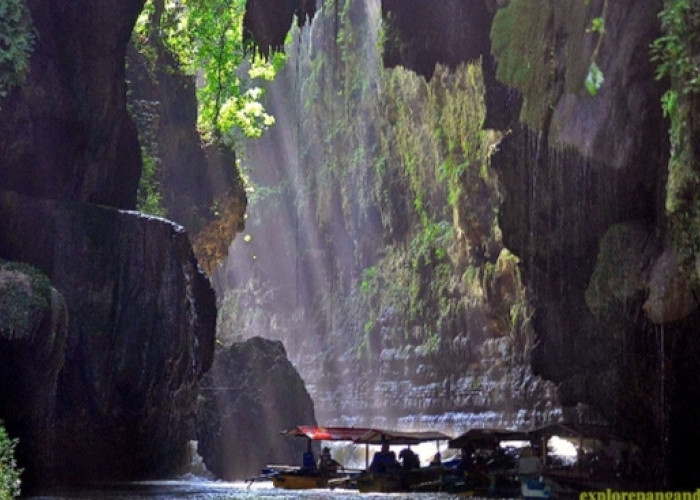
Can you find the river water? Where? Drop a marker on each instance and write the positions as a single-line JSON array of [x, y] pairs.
[[210, 490]]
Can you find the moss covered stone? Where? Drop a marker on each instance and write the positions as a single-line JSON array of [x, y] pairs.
[[543, 49], [624, 253], [25, 297]]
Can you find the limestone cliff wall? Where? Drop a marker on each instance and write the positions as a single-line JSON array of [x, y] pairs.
[[140, 335], [199, 184], [105, 384], [372, 248]]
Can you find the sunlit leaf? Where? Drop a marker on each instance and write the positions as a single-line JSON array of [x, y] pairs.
[[594, 80]]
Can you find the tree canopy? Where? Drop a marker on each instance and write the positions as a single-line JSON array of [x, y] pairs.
[[206, 37]]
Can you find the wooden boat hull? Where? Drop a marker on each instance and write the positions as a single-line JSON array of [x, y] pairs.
[[299, 481], [379, 484], [428, 479]]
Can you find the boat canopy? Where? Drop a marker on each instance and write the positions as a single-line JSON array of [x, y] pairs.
[[488, 438], [379, 436], [316, 433], [573, 430]]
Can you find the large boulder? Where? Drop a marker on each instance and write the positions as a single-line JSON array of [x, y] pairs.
[[251, 394], [140, 337]]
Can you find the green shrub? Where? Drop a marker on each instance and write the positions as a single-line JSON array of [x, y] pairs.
[[16, 43], [9, 472]]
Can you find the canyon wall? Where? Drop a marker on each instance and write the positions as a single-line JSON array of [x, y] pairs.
[[65, 132], [121, 399], [602, 233], [583, 176], [103, 384], [108, 322]]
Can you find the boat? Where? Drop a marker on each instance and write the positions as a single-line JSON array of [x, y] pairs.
[[530, 470], [387, 475], [599, 464], [485, 468], [309, 475]]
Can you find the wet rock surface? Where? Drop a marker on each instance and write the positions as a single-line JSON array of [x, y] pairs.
[[583, 186], [267, 22], [250, 395], [423, 35], [140, 335]]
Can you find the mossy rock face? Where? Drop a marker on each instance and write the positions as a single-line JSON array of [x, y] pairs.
[[25, 297], [542, 50], [620, 275], [682, 190], [545, 50], [520, 43]]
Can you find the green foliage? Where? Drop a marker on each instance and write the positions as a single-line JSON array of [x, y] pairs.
[[673, 52], [16, 43], [594, 79], [369, 283], [428, 245], [597, 26], [519, 43], [207, 39], [149, 198], [680, 22], [9, 471], [432, 343]]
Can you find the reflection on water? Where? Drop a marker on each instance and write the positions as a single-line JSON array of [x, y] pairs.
[[209, 490]]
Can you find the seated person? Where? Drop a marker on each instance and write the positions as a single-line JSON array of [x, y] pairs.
[[384, 460], [307, 461], [466, 461], [410, 459], [326, 463]]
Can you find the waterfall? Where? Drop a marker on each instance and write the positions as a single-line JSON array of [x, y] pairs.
[[351, 255]]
